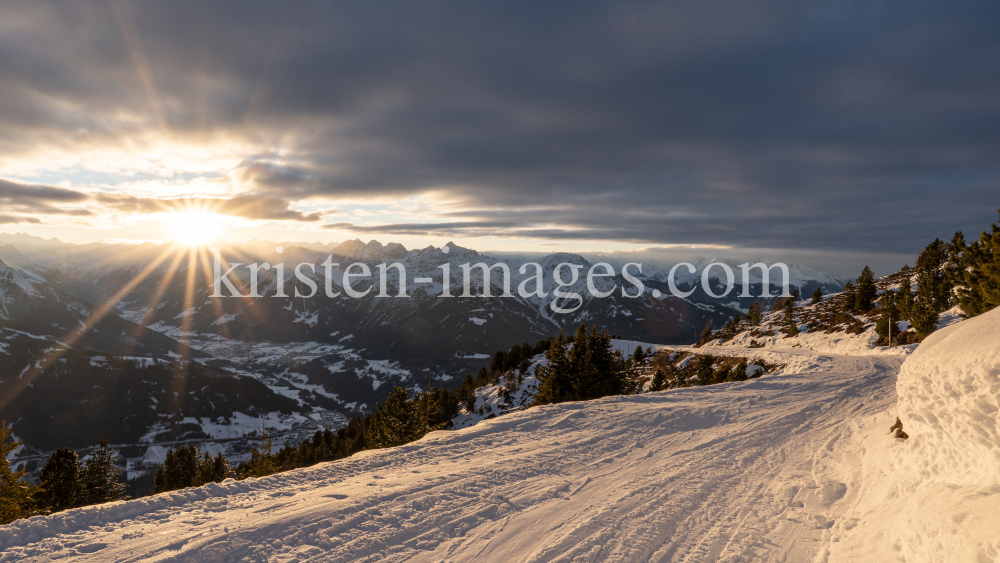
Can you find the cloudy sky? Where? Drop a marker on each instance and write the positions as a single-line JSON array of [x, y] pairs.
[[814, 129]]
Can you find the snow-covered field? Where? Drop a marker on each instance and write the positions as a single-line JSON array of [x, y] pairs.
[[794, 466]]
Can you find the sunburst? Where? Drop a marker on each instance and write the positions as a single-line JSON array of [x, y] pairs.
[[194, 228]]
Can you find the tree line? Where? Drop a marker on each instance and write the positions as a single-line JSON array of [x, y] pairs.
[[66, 480], [966, 274]]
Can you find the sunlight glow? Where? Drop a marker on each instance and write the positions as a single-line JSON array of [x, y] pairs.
[[194, 228]]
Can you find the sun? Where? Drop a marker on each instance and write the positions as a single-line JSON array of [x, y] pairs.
[[194, 228]]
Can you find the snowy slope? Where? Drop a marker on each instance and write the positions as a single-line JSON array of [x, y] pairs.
[[759, 470]]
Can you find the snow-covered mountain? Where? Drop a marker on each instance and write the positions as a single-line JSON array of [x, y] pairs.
[[360, 348], [803, 278], [71, 369]]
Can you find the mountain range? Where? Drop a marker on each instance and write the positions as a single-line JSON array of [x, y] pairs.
[[78, 314]]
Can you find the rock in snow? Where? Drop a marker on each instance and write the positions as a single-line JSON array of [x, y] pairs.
[[794, 466]]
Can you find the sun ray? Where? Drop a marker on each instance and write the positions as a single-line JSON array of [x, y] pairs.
[[162, 288], [126, 24], [210, 278], [96, 314], [247, 305], [188, 318]]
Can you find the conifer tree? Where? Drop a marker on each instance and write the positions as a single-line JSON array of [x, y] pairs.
[[16, 494], [732, 327], [755, 314], [791, 327], [396, 424], [739, 372], [705, 370], [178, 470], [932, 256], [556, 379], [659, 381], [974, 269], [924, 317], [483, 377], [706, 332], [212, 470], [817, 296], [101, 474], [469, 393], [933, 290], [586, 375], [639, 356], [888, 316], [430, 409], [60, 481], [262, 462], [905, 300], [865, 290], [591, 369], [849, 297], [933, 285]]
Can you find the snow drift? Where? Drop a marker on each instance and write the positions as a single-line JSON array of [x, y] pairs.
[[936, 496], [949, 392]]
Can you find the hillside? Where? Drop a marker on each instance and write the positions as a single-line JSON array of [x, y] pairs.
[[793, 466], [827, 326], [71, 370]]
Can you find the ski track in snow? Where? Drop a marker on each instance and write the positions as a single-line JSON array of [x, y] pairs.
[[752, 471]]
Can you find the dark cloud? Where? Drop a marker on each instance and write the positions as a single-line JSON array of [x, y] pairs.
[[464, 228], [836, 125], [246, 206], [20, 203], [16, 192], [13, 219]]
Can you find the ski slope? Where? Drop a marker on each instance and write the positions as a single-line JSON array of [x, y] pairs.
[[733, 472], [795, 466]]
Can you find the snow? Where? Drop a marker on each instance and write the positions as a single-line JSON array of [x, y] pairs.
[[792, 466], [224, 319], [949, 317], [383, 368], [186, 313], [474, 356], [477, 321], [934, 496], [492, 401], [305, 317], [239, 425], [729, 472]]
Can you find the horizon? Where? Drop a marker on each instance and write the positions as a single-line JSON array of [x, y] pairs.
[[656, 255]]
